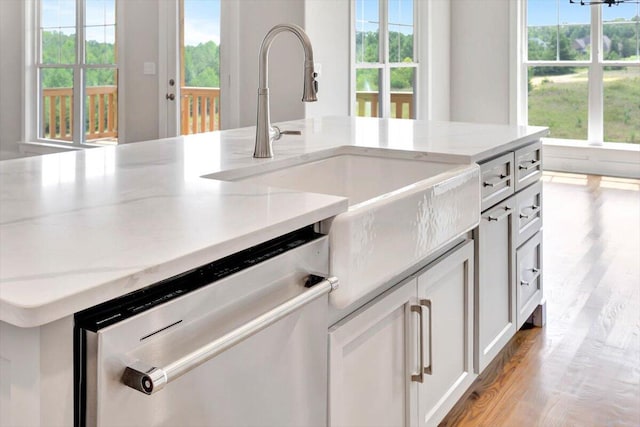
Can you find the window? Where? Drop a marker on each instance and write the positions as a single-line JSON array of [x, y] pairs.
[[582, 65], [77, 75], [385, 63]]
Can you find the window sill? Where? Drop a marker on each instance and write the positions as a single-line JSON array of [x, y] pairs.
[[613, 159]]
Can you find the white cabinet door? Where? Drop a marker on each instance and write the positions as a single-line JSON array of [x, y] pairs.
[[369, 362], [445, 291], [495, 284]]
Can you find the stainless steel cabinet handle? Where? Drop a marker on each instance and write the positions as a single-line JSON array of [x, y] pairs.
[[503, 178], [424, 369], [534, 210], [150, 379], [507, 212], [428, 369], [532, 164], [536, 274], [419, 377]]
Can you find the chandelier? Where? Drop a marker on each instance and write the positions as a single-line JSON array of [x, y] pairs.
[[607, 2]]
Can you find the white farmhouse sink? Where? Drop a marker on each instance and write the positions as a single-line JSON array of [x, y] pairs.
[[400, 212]]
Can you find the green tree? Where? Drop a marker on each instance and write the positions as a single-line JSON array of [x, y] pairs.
[[202, 65]]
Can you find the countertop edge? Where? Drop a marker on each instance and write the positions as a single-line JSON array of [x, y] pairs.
[[24, 316]]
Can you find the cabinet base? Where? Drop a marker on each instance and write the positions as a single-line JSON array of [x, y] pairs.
[[539, 316]]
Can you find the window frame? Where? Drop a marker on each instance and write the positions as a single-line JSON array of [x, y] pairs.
[[33, 88], [383, 64], [595, 65]]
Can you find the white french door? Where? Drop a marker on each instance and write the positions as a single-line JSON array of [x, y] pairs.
[[169, 69], [196, 76]]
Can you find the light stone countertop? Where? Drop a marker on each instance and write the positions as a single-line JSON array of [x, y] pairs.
[[80, 228]]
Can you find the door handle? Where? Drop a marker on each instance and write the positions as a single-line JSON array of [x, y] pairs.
[[532, 164], [428, 369], [419, 377], [507, 212], [424, 369], [149, 379], [503, 178], [534, 210], [170, 96], [534, 277]]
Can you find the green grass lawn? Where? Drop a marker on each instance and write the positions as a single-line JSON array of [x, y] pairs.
[[560, 102]]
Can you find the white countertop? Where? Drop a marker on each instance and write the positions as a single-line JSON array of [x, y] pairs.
[[80, 228]]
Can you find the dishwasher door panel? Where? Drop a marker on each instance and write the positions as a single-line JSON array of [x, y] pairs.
[[276, 377], [281, 367]]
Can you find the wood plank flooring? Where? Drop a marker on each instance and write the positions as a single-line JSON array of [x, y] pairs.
[[583, 367]]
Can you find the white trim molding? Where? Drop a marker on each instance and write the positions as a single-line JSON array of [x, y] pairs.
[[610, 159]]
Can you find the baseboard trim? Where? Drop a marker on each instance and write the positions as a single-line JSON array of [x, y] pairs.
[[34, 148]]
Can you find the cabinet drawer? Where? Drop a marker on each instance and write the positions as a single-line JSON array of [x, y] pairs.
[[529, 277], [528, 212], [528, 165], [497, 179]]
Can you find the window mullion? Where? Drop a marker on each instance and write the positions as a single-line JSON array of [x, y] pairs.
[[78, 77], [416, 60], [595, 83], [385, 78]]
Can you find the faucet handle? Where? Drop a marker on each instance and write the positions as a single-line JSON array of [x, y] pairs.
[[279, 132]]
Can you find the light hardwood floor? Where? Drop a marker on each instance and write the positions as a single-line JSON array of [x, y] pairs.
[[583, 367]]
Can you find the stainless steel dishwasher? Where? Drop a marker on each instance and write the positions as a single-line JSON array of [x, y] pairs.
[[239, 342]]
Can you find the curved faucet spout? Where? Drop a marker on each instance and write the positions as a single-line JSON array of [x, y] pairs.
[[265, 133]]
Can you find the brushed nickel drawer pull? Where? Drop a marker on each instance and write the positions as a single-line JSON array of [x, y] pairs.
[[429, 368], [536, 274], [507, 212], [503, 178], [534, 211], [149, 379], [419, 377], [532, 164]]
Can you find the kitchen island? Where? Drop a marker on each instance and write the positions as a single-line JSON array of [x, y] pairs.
[[81, 228]]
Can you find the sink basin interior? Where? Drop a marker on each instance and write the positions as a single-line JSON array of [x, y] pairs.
[[356, 177]]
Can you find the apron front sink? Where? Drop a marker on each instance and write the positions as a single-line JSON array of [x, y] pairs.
[[400, 211]]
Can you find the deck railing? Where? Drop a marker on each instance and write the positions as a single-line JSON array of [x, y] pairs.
[[402, 105], [101, 115], [200, 109]]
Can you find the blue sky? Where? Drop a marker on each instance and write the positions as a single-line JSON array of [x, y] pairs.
[[201, 21], [552, 12], [100, 18], [202, 17], [400, 13]]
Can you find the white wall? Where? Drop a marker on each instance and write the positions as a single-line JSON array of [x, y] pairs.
[[327, 23], [11, 98], [480, 52], [435, 46], [286, 59]]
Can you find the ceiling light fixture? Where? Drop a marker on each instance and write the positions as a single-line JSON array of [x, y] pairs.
[[607, 2]]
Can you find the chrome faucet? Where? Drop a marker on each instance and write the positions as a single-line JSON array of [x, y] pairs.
[[265, 133]]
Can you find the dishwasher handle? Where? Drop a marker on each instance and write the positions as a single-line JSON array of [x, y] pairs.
[[150, 379]]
